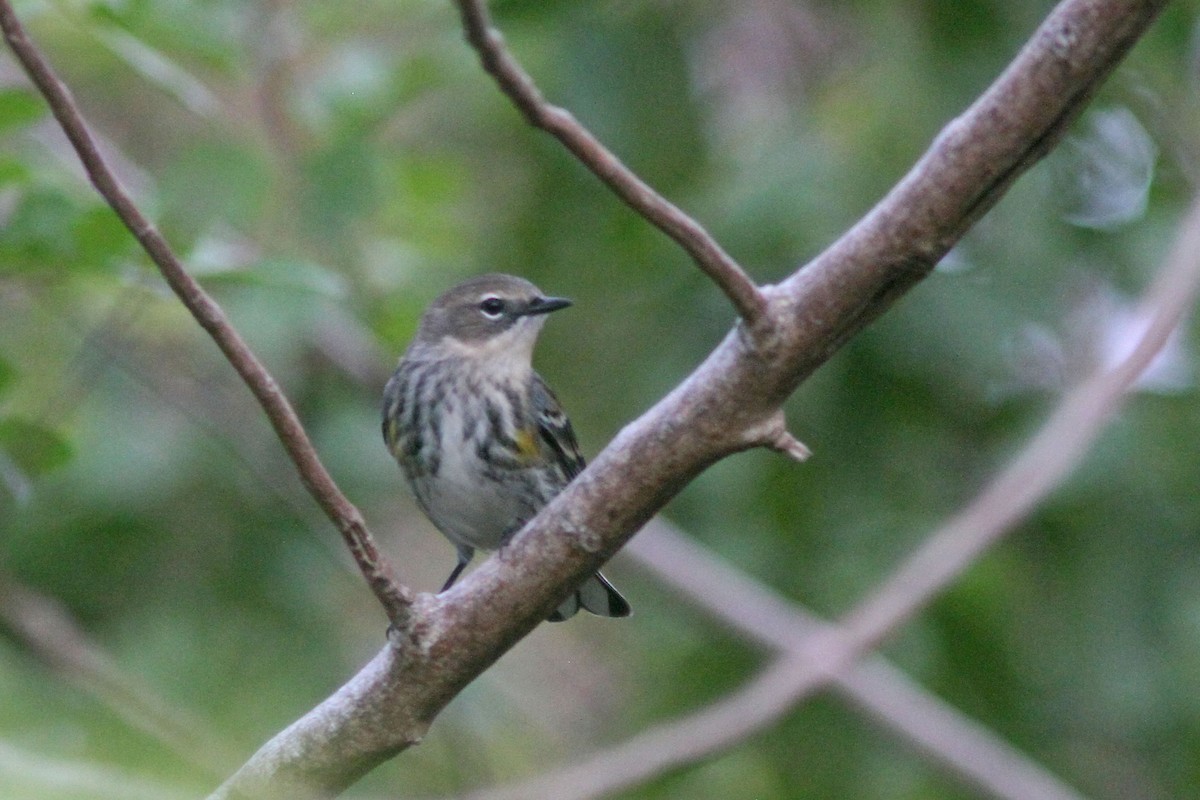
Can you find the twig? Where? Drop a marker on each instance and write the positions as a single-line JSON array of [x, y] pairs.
[[395, 598], [515, 82]]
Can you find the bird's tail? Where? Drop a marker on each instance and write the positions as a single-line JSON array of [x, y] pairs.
[[596, 595]]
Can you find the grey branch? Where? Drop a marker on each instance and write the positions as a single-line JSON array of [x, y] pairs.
[[1042, 464], [963, 747]]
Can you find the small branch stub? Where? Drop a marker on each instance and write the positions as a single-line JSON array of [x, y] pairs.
[[774, 435], [790, 446]]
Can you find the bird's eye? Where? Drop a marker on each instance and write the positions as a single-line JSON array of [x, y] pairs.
[[492, 307]]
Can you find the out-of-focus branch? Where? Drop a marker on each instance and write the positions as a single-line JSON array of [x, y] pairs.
[[60, 777], [48, 631], [1042, 464], [960, 745], [395, 598], [560, 123]]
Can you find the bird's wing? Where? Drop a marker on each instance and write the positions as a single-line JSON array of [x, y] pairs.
[[555, 429]]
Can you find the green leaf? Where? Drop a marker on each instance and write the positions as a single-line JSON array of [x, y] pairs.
[[12, 171], [8, 374], [100, 235], [18, 108], [40, 229], [33, 448]]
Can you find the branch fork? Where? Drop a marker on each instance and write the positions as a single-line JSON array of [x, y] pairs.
[[774, 435]]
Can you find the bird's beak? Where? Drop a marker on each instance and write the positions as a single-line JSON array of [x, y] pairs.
[[544, 305]]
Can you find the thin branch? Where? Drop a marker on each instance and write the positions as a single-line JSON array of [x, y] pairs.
[[515, 82], [395, 598]]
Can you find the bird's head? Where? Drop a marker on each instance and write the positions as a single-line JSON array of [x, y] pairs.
[[491, 317]]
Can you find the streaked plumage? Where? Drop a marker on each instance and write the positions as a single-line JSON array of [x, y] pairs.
[[480, 437]]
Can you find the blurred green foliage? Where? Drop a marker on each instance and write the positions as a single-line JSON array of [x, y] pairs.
[[326, 169]]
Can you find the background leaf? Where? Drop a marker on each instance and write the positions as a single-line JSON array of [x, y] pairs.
[[18, 108], [32, 447]]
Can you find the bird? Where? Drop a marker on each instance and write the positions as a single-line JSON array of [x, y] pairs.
[[482, 441]]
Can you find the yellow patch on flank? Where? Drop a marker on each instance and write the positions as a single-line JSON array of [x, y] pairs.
[[391, 435], [527, 444]]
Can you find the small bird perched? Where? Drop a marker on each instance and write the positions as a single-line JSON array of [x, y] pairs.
[[482, 441]]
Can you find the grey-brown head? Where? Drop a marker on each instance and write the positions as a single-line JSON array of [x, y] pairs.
[[491, 316]]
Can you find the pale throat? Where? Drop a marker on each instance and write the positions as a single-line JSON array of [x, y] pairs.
[[508, 354]]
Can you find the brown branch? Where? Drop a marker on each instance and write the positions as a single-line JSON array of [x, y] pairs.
[[515, 82], [395, 598]]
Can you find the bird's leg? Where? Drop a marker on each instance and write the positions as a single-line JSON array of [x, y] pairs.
[[465, 554]]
